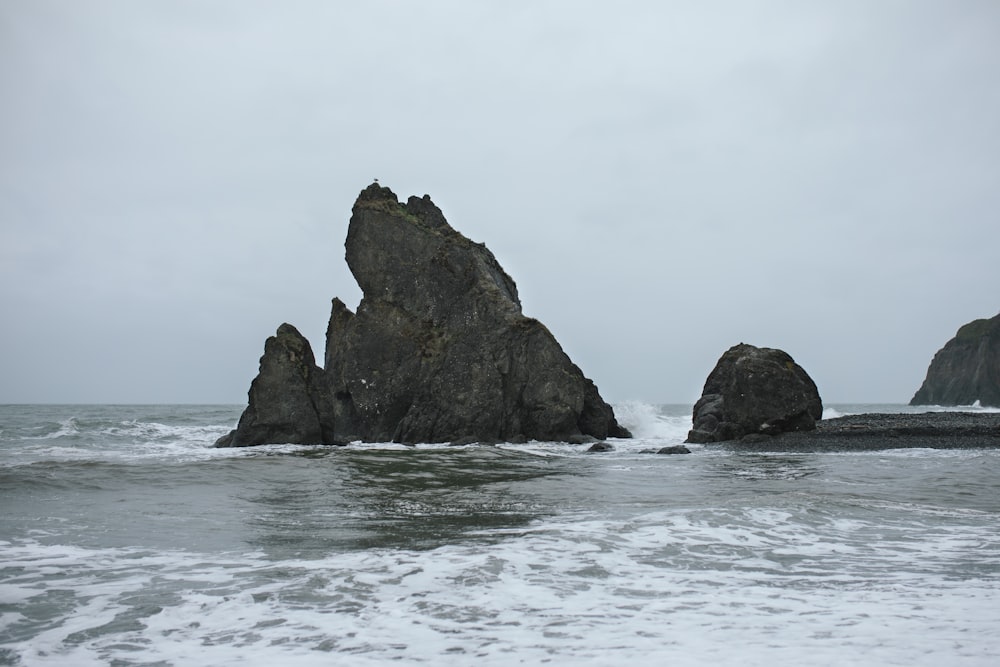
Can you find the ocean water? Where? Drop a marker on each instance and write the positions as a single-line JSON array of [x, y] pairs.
[[125, 539]]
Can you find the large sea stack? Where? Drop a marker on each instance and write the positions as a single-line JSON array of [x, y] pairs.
[[438, 350], [966, 369], [755, 391]]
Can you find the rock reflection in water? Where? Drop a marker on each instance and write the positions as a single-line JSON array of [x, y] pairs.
[[346, 499]]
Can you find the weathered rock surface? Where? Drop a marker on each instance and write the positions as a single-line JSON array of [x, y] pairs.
[[438, 350], [966, 369], [675, 449], [289, 398], [755, 390]]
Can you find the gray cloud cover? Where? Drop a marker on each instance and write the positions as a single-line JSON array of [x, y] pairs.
[[662, 180]]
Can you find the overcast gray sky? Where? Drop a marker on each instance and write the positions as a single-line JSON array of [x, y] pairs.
[[662, 180]]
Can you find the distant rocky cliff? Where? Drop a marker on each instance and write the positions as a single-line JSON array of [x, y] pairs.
[[438, 350], [966, 369]]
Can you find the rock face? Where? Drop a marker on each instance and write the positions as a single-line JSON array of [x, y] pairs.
[[438, 350], [755, 390], [289, 398], [966, 369]]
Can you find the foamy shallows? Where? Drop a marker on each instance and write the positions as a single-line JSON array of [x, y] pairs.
[[689, 587], [127, 539]]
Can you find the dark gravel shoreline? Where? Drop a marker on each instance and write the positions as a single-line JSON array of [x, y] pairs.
[[876, 431]]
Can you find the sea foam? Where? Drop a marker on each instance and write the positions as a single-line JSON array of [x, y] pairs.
[[651, 422], [759, 587]]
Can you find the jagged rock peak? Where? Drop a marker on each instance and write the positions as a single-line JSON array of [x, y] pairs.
[[437, 351], [966, 369], [418, 210], [409, 255]]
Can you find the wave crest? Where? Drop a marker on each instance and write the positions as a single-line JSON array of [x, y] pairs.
[[647, 421]]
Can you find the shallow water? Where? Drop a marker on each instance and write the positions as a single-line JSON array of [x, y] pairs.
[[125, 539]]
